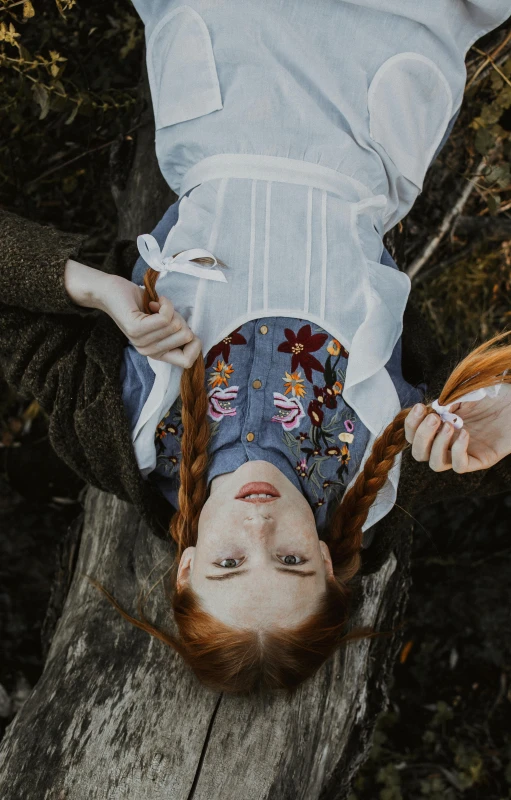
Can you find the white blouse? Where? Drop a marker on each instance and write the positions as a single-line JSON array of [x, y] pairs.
[[304, 130]]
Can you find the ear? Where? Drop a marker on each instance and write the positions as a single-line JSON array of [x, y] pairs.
[[185, 568], [327, 558]]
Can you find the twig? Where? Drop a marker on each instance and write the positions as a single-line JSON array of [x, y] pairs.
[[77, 158], [447, 221], [489, 60], [494, 65]]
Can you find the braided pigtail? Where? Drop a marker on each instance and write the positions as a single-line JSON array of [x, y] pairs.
[[483, 367], [194, 444]]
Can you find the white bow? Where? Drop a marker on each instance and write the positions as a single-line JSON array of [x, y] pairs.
[[471, 397], [150, 251]]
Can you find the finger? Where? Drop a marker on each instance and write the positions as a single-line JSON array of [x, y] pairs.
[[167, 310], [459, 454], [161, 347], [440, 456], [160, 329], [185, 357], [413, 420], [165, 330], [424, 436]]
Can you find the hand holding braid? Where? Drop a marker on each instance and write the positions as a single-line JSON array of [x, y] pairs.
[[485, 366]]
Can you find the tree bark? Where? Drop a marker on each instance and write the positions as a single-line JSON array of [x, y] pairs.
[[117, 715]]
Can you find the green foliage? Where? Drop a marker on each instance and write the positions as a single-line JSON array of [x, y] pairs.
[[68, 80]]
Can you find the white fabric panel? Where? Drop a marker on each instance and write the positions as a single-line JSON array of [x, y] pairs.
[[181, 66], [404, 82]]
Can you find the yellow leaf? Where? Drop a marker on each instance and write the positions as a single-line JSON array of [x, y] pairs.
[[28, 9], [54, 69]]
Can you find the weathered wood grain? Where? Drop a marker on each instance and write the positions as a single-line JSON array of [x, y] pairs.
[[116, 715]]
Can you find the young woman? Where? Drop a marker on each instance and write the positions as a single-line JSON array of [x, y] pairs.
[[296, 137]]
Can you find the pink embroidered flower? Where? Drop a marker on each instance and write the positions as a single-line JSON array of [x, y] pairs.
[[349, 425], [290, 411], [220, 400]]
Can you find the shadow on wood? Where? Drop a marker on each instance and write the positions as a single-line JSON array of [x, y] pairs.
[[117, 715]]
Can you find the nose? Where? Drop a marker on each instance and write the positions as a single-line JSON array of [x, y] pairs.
[[259, 520]]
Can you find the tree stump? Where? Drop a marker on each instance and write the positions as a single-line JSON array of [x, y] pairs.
[[117, 715]]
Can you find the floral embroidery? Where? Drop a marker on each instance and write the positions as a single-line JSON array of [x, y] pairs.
[[220, 400], [301, 468], [290, 411], [293, 384], [223, 348], [301, 345], [223, 373], [335, 348], [320, 451]]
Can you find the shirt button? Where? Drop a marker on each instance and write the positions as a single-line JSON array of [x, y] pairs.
[[263, 329], [257, 384], [250, 437]]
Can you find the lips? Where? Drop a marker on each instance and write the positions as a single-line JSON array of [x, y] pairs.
[[257, 487]]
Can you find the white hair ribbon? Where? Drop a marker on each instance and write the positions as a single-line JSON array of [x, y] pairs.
[[150, 251], [471, 397]]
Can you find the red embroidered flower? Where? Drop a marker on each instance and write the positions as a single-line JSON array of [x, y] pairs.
[[301, 345], [326, 395], [315, 413], [223, 348]]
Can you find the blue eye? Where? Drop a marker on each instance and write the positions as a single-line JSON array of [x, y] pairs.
[[292, 561], [230, 563]]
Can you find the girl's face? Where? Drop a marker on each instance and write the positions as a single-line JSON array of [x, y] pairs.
[[256, 564]]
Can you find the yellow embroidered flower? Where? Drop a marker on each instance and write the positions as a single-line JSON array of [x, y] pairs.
[[338, 387], [345, 454], [221, 374], [334, 348], [293, 384]]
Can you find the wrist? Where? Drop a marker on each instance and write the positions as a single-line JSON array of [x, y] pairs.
[[86, 286]]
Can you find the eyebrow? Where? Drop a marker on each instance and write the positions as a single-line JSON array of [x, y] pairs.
[[225, 577]]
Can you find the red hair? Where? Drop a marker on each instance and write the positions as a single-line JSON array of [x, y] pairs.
[[231, 659]]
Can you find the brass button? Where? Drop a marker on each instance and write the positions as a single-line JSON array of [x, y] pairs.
[[250, 437], [257, 384], [263, 329]]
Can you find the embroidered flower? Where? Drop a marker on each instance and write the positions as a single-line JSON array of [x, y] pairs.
[[315, 413], [223, 348], [301, 468], [333, 451], [334, 348], [223, 373], [162, 430], [290, 411], [319, 503], [301, 345], [346, 437], [349, 425], [293, 384], [309, 452], [338, 387], [302, 436], [345, 455], [220, 400], [326, 395]]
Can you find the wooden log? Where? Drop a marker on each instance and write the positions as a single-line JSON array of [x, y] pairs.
[[117, 715]]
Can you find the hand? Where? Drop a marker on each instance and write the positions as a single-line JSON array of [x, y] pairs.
[[163, 335], [484, 439]]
